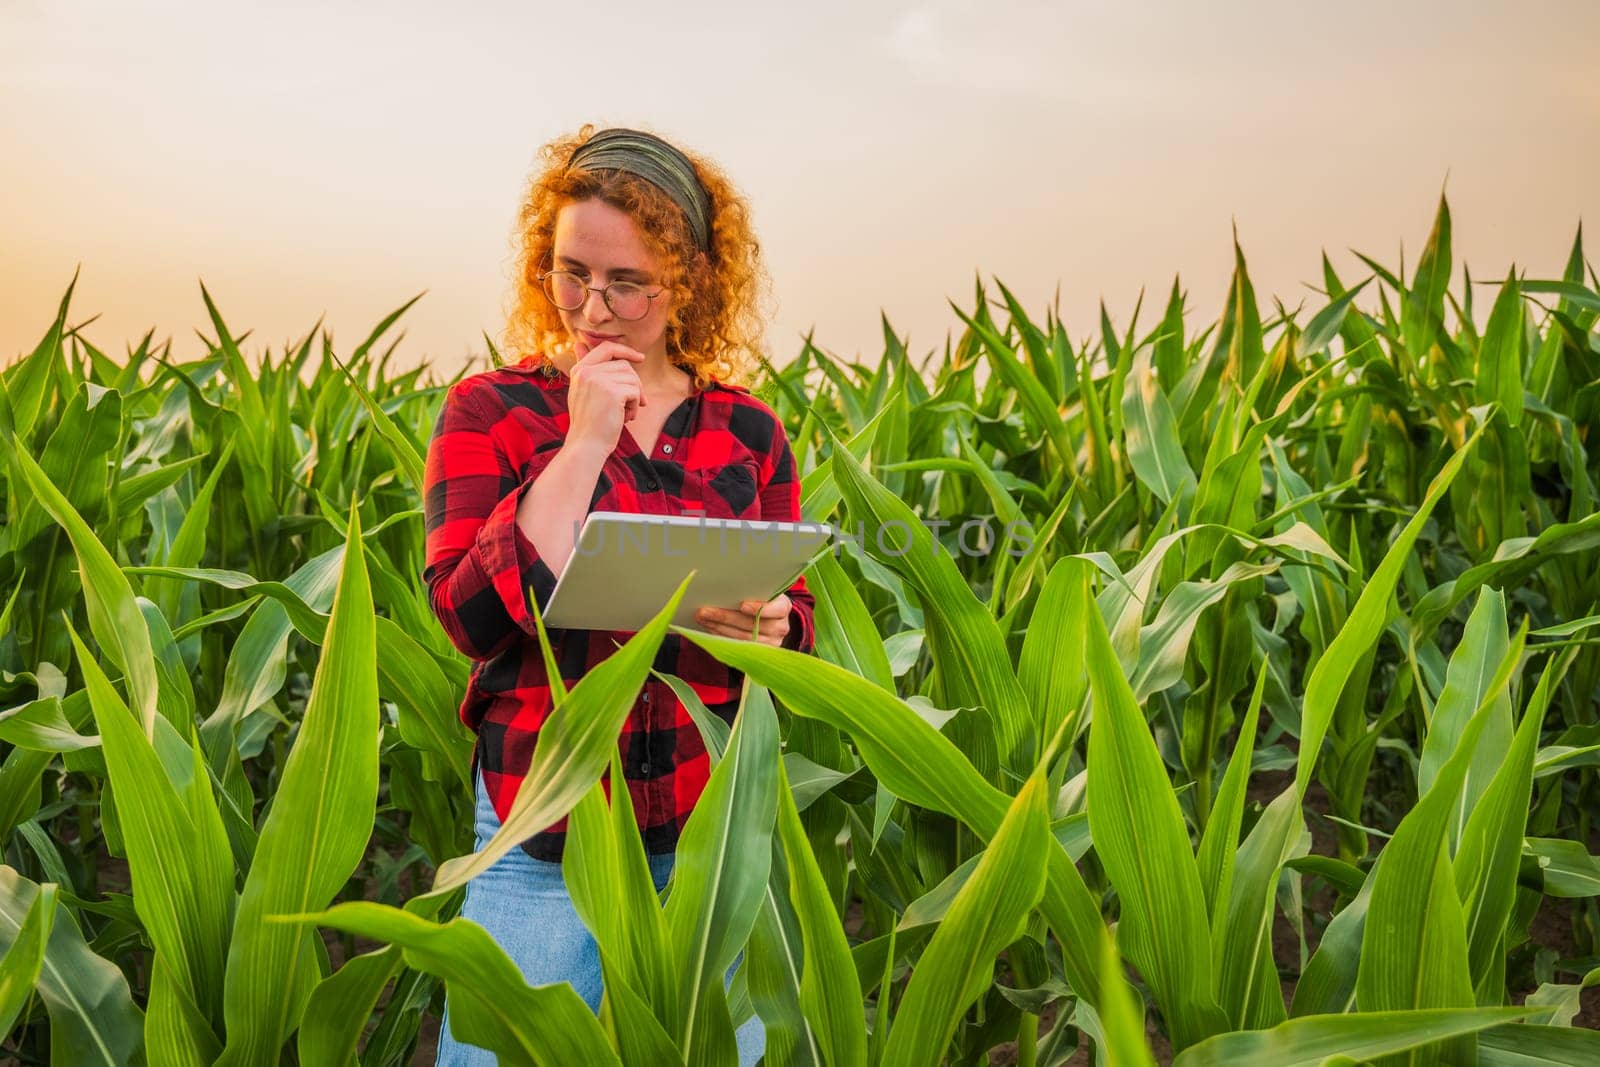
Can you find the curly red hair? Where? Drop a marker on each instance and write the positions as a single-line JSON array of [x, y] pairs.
[[714, 327]]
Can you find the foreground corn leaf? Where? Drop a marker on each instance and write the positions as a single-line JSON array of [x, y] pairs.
[[1050, 669], [23, 949], [608, 876], [774, 959], [1121, 1016], [114, 616], [922, 766], [1154, 450], [845, 631], [341, 1005], [830, 991], [93, 1019], [1487, 862], [1525, 1045], [178, 858], [1220, 840], [720, 874], [1140, 836], [1562, 1001], [1360, 632], [316, 831], [986, 916], [1315, 1039], [976, 668], [1472, 667], [1414, 948], [1247, 976], [490, 1004]]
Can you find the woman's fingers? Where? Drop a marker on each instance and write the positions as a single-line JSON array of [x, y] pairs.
[[776, 608], [616, 379], [606, 352], [738, 624]]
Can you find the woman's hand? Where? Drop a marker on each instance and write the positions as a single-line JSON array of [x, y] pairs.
[[604, 393], [742, 623]]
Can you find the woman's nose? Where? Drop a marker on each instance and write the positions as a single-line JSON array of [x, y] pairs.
[[594, 308]]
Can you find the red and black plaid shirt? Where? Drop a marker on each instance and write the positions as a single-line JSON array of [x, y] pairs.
[[721, 450]]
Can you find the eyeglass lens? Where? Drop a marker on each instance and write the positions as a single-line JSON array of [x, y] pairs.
[[568, 292]]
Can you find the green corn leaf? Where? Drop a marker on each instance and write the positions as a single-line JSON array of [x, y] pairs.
[[1414, 946], [1247, 977], [1151, 431], [830, 992], [317, 829], [1569, 870], [1048, 670], [962, 633], [1327, 986], [723, 860], [74, 459], [774, 960], [819, 493], [592, 871], [342, 1004], [1141, 839], [1472, 666], [648, 944], [845, 631], [1318, 1039], [1221, 837], [1325, 324], [917, 763], [403, 448], [491, 1006], [1561, 1001], [1486, 864], [184, 897], [93, 1019], [1164, 644], [1030, 391], [638, 1034], [1422, 310], [24, 950], [1122, 1017], [1513, 559], [1525, 1045], [1500, 353], [608, 878], [1367, 618], [987, 914], [114, 616]]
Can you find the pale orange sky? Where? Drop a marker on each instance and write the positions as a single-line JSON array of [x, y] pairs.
[[310, 159]]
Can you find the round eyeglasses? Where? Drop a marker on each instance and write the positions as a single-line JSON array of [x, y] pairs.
[[567, 291]]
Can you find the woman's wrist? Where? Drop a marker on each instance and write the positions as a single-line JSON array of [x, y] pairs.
[[583, 454]]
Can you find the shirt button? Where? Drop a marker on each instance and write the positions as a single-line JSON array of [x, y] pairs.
[[667, 449], [644, 768], [650, 485]]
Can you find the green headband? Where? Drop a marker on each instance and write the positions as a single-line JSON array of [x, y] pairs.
[[657, 162]]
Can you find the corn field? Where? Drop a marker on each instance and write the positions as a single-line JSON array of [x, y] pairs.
[[1272, 737]]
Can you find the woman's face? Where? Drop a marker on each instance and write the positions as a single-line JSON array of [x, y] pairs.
[[602, 244]]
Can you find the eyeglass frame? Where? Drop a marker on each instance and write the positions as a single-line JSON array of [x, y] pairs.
[[604, 291]]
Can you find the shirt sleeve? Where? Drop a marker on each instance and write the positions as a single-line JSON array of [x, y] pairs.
[[479, 565], [780, 502]]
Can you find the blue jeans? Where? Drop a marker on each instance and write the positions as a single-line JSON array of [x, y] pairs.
[[524, 904]]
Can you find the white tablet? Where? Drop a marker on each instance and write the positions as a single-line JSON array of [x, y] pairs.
[[626, 566]]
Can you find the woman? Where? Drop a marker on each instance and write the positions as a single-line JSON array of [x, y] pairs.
[[634, 305]]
